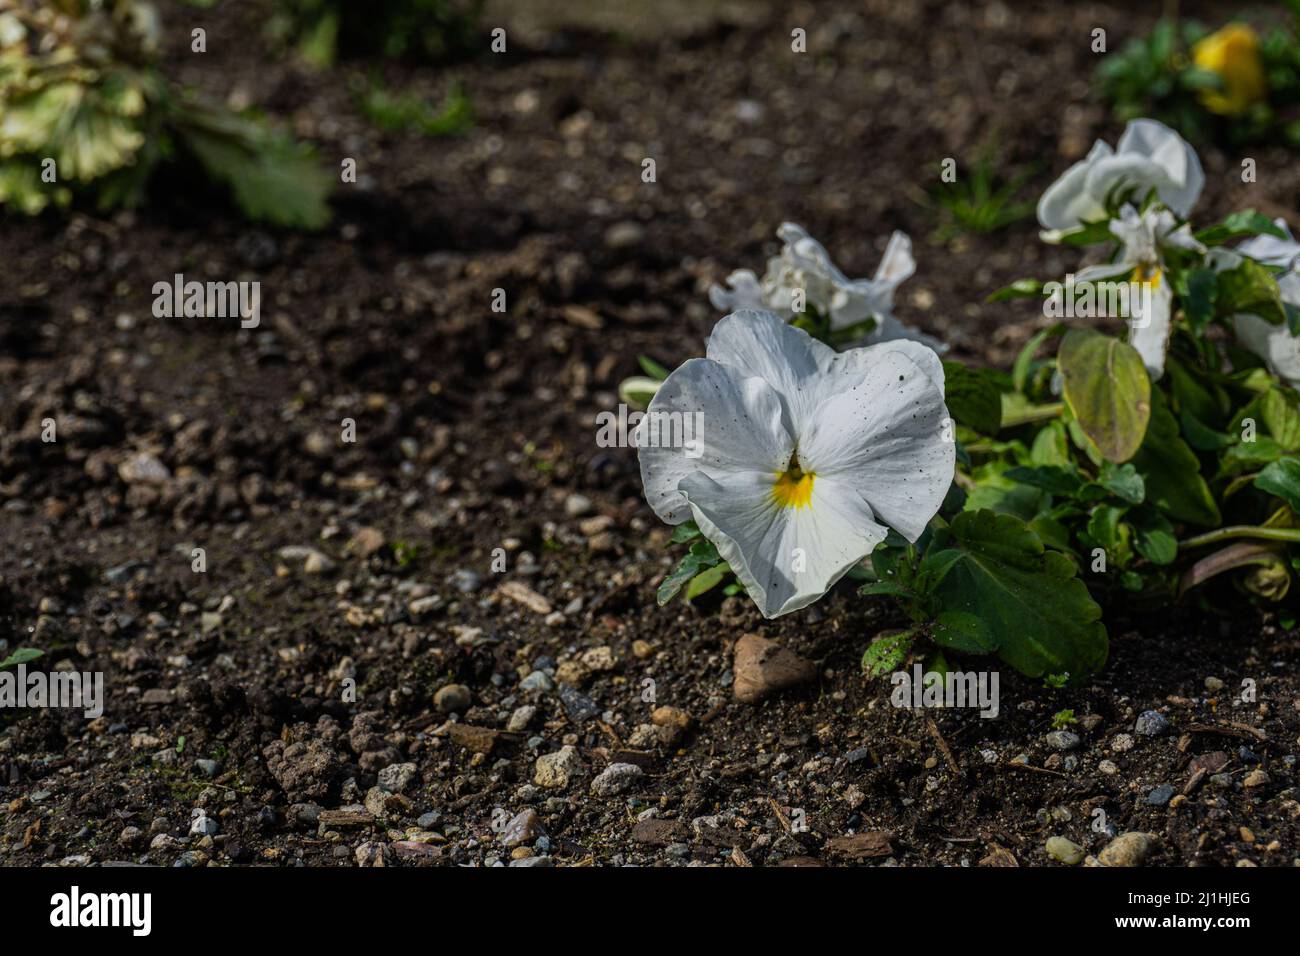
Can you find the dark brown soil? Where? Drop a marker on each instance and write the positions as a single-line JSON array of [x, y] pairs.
[[476, 430]]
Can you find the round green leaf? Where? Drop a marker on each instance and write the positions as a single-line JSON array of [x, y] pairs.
[[1108, 391]]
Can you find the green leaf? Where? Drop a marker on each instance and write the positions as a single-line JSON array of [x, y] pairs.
[[1123, 481], [1153, 536], [690, 565], [638, 390], [1054, 479], [1051, 445], [1020, 289], [964, 632], [652, 368], [1202, 437], [1090, 234], [1032, 606], [22, 655], [706, 551], [886, 589], [1250, 287], [706, 580], [995, 491], [1202, 286], [272, 178], [1247, 222], [1107, 389], [686, 531], [887, 654], [1172, 472], [1025, 360], [1280, 410], [1282, 479], [1107, 530], [973, 398]]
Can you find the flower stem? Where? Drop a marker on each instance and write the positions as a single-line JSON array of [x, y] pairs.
[[1035, 413], [1241, 531]]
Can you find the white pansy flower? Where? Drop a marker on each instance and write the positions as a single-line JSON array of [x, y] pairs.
[[1150, 156], [1273, 250], [1275, 344], [804, 269], [804, 454], [1143, 237]]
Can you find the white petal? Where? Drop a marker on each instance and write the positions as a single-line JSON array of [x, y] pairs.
[[1066, 204], [1149, 334], [1289, 286], [807, 253], [1105, 270], [889, 329], [888, 437], [708, 418], [897, 265], [1273, 343], [745, 292], [1222, 259], [1183, 177], [786, 558], [803, 370], [1272, 250]]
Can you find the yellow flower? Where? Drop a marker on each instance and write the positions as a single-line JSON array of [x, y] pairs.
[[1232, 53]]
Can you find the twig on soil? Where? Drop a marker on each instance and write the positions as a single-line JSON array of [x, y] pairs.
[[1231, 729], [780, 817], [943, 744], [1012, 765]]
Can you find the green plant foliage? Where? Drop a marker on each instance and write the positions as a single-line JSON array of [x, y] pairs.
[[403, 112], [1107, 390], [87, 112], [986, 584], [23, 655], [323, 31], [980, 200], [1135, 479], [1233, 85]]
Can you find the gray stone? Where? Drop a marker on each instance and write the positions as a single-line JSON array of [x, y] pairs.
[[452, 698], [1161, 795], [1062, 740], [555, 770], [616, 778], [522, 828], [395, 778], [1151, 723]]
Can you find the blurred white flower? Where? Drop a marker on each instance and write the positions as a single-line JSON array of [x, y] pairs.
[[1275, 344], [807, 454], [1150, 156], [1273, 250], [803, 269]]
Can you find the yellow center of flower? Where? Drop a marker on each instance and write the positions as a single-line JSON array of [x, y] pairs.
[[1148, 275], [793, 487]]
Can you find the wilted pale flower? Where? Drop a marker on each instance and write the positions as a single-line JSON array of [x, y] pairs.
[[1142, 238], [1233, 54], [802, 277], [804, 454], [1150, 156], [1273, 343]]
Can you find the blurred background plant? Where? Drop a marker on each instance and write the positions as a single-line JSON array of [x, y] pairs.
[[324, 31], [85, 111], [1233, 85], [397, 111], [980, 200]]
